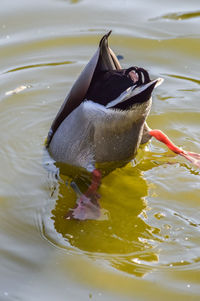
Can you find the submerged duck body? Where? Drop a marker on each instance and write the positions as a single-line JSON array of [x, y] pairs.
[[108, 121]]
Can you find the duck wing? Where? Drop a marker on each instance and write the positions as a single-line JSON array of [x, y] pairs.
[[104, 59]]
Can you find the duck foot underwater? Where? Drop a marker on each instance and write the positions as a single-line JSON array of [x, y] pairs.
[[103, 119], [88, 206]]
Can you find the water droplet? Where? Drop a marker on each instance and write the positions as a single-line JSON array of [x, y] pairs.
[[136, 260], [167, 227], [16, 90], [159, 215]]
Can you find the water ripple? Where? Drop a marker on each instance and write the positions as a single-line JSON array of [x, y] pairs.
[[39, 65], [194, 80], [179, 16]]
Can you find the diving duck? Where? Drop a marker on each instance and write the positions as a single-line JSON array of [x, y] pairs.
[[103, 119]]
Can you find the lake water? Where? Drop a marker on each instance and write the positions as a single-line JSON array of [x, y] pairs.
[[147, 245]]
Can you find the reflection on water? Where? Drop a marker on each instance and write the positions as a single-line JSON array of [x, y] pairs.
[[123, 238], [132, 237]]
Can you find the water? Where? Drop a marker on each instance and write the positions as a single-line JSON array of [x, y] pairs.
[[146, 246]]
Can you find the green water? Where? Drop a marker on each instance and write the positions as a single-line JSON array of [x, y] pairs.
[[146, 246]]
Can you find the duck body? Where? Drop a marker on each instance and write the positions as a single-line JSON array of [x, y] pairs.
[[100, 135], [103, 119]]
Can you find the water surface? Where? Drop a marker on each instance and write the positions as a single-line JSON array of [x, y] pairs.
[[146, 246]]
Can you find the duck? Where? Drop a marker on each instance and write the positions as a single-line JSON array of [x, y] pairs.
[[103, 119]]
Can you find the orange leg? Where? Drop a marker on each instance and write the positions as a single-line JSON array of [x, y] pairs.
[[87, 204], [190, 156]]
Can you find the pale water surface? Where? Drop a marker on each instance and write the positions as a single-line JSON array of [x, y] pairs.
[[147, 245]]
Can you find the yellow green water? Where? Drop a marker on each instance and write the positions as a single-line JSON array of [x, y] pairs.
[[147, 244]]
